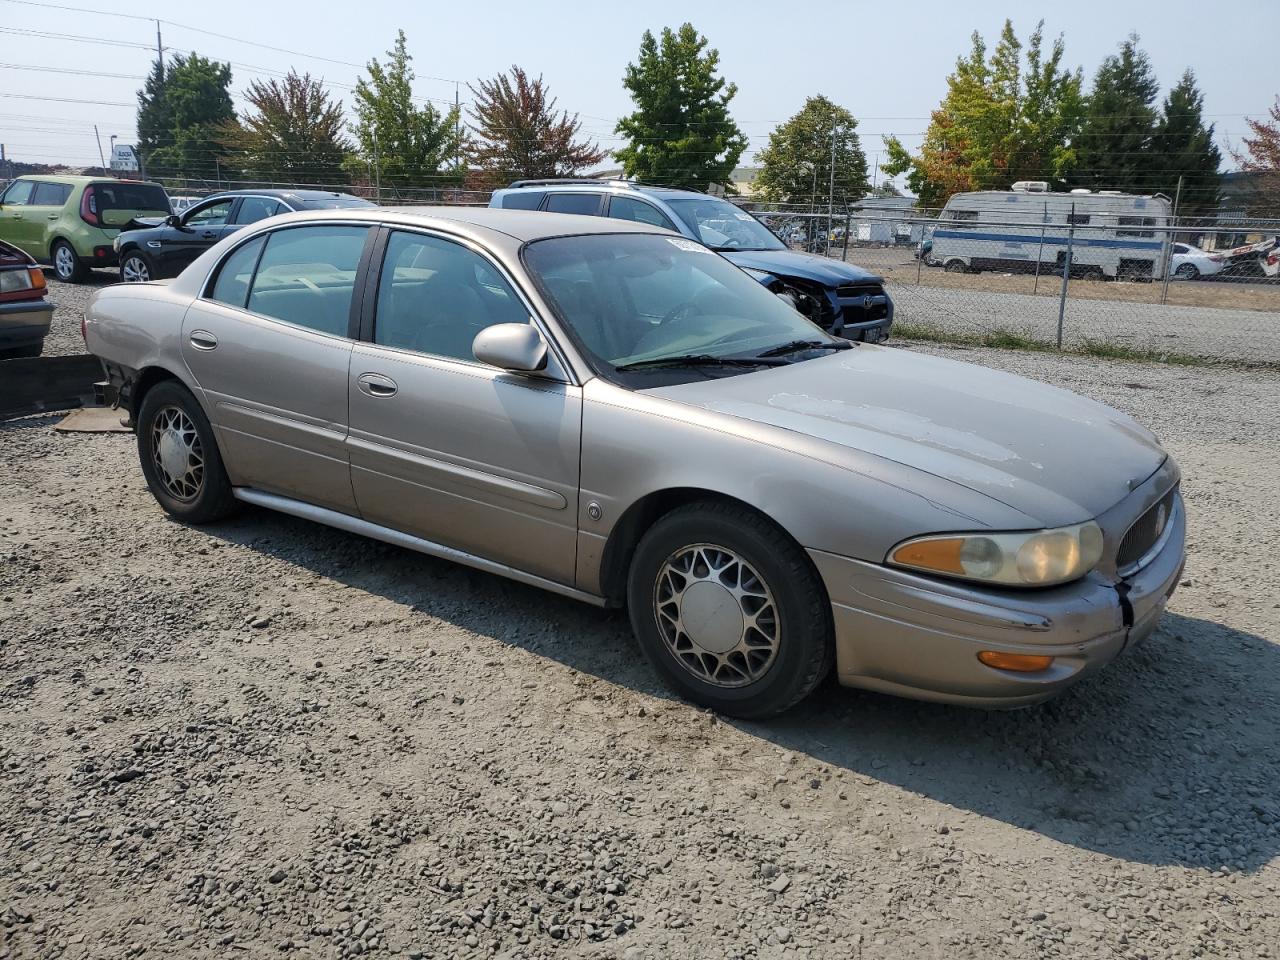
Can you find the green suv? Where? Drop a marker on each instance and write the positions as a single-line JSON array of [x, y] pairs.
[[71, 222]]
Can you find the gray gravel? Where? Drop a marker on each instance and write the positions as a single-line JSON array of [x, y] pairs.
[[266, 738]]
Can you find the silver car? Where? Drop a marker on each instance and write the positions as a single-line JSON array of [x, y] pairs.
[[612, 412]]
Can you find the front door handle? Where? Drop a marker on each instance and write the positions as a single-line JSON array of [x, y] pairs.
[[54, 216], [376, 385], [203, 340], [209, 234]]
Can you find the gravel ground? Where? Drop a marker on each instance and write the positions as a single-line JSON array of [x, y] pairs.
[[266, 738]]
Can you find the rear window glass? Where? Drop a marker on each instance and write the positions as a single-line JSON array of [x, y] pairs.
[[131, 196], [523, 200]]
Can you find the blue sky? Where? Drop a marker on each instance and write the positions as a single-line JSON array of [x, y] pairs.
[[886, 63]]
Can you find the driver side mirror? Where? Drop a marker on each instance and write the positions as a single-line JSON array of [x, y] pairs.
[[173, 220], [518, 347]]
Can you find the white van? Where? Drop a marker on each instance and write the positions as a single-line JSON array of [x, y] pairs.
[[1111, 233]]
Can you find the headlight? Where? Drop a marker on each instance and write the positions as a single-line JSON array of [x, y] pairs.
[[1038, 559], [115, 244]]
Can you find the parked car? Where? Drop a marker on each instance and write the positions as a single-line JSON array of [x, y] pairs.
[[1191, 263], [839, 297], [72, 221], [924, 250], [156, 250], [610, 411], [25, 314], [180, 204], [1271, 263]]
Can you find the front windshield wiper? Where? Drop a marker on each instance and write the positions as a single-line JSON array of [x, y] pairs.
[[746, 249], [701, 360], [795, 346]]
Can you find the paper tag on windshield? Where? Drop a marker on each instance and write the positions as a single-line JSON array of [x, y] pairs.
[[743, 216], [688, 245]]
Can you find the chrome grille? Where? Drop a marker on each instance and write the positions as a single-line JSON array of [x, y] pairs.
[[1145, 532]]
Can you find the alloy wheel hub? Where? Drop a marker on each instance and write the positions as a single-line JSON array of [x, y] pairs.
[[177, 454]]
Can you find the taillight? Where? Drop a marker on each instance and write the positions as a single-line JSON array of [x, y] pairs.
[[1216, 257], [89, 206]]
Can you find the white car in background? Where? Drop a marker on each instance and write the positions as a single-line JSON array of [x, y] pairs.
[[180, 204], [1191, 263]]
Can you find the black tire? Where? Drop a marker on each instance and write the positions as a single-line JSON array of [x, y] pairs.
[[1187, 271], [24, 352], [201, 496], [804, 644], [956, 266], [1093, 273], [142, 271], [66, 264]]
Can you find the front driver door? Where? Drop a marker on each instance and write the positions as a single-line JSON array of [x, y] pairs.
[[450, 449], [269, 345], [201, 227]]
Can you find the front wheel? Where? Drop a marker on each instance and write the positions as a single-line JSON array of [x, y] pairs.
[[180, 457], [729, 610], [956, 266], [136, 268], [66, 265]]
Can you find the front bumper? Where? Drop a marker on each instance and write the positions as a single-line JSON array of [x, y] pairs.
[[24, 322], [919, 637]]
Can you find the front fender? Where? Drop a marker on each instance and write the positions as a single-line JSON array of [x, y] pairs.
[[827, 497]]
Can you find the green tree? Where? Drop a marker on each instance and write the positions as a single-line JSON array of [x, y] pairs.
[[294, 134], [1001, 121], [519, 134], [414, 145], [797, 163], [1182, 146], [153, 124], [1114, 146], [193, 98], [681, 132]]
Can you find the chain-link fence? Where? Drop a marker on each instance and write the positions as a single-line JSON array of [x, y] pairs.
[[1197, 290]]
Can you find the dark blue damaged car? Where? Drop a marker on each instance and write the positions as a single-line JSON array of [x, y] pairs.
[[840, 297]]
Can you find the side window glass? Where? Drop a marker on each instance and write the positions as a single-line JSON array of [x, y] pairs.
[[629, 208], [1079, 219], [232, 285], [306, 276], [19, 192], [583, 203], [523, 200], [434, 296], [50, 194], [213, 215], [253, 209]]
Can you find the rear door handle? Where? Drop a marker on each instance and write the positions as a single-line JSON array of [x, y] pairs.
[[376, 385], [203, 340], [54, 216]]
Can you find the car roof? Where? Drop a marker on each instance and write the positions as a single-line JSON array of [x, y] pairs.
[[521, 225], [76, 181], [304, 195], [588, 185]]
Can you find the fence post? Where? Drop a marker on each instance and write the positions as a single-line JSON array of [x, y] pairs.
[[1035, 287], [1167, 249], [920, 254], [848, 225], [1066, 274]]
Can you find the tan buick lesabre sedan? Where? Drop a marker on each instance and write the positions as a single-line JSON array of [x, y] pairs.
[[615, 413]]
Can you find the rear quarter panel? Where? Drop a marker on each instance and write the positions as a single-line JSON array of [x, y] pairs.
[[139, 325]]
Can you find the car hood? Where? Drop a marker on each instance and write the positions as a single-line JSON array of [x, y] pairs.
[[805, 266], [1056, 457]]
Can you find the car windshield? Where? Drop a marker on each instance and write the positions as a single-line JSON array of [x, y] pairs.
[[722, 226], [639, 300]]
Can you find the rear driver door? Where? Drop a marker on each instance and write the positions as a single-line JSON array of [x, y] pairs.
[[270, 347]]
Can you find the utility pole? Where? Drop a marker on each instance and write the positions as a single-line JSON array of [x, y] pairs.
[[159, 49], [831, 183], [99, 139], [377, 169], [457, 123]]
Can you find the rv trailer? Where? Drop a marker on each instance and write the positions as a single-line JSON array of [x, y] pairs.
[[1111, 234]]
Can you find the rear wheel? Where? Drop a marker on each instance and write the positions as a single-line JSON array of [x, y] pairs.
[[66, 265], [729, 610], [1187, 271], [180, 457], [1093, 273], [136, 267]]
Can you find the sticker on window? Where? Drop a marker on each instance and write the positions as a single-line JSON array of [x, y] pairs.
[[687, 245], [743, 216]]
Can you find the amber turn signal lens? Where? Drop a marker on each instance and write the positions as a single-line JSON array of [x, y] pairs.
[[37, 278], [1019, 662], [942, 554]]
